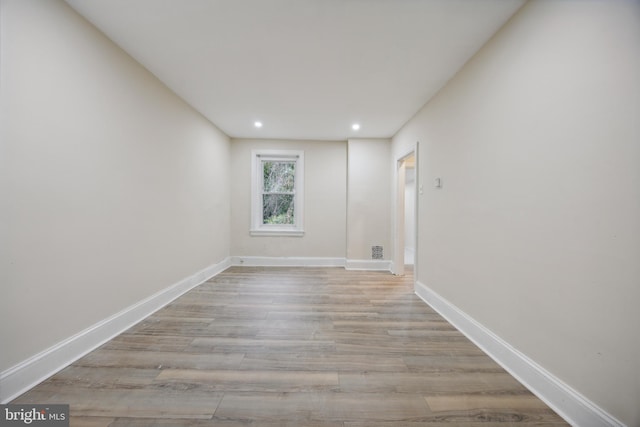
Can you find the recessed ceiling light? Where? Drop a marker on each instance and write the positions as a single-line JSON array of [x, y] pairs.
[[257, 124], [355, 126]]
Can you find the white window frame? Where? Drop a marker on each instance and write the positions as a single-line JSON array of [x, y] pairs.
[[258, 228]]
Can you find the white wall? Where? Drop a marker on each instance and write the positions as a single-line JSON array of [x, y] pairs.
[[369, 198], [410, 216], [536, 231], [324, 197], [112, 187]]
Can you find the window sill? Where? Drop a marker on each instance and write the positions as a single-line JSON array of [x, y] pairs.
[[277, 232]]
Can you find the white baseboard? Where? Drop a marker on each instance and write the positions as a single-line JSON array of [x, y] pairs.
[[568, 403], [349, 264], [368, 264], [20, 378], [261, 261]]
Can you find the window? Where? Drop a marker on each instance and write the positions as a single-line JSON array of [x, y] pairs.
[[277, 193]]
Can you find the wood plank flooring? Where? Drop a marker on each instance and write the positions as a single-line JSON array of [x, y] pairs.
[[316, 347]]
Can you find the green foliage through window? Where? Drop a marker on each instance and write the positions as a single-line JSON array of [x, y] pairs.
[[278, 192]]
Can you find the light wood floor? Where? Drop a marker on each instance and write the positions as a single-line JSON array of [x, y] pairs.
[[293, 347]]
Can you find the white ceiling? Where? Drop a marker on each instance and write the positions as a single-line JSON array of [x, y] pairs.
[[307, 69]]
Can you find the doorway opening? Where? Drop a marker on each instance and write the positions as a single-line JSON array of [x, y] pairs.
[[409, 211], [406, 213]]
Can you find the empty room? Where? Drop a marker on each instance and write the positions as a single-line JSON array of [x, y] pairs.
[[323, 213]]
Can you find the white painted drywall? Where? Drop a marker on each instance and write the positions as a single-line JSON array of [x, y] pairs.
[[410, 215], [369, 198], [536, 231], [112, 187], [324, 197]]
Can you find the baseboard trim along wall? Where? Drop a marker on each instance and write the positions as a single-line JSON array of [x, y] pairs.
[[263, 261], [349, 264], [27, 374], [568, 403], [368, 264]]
